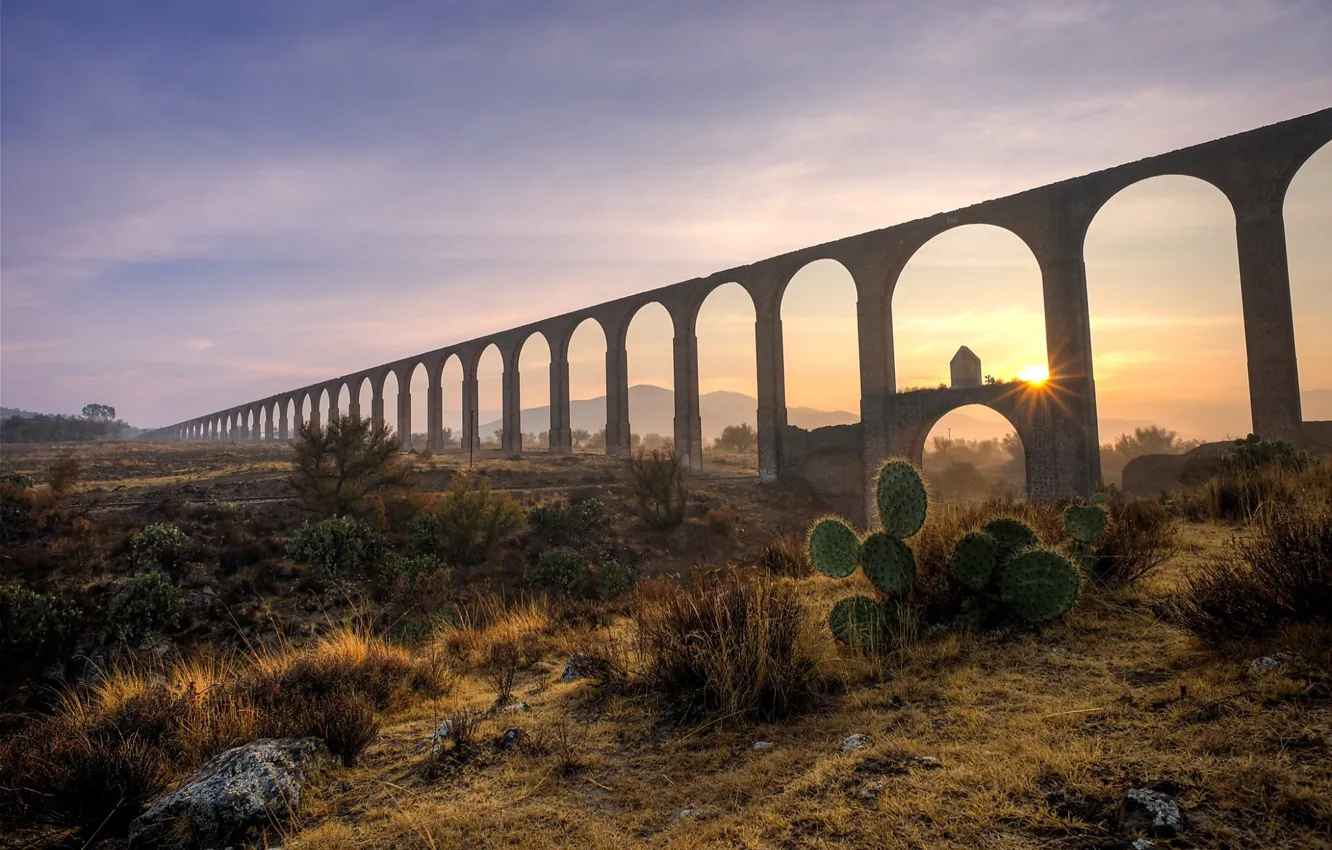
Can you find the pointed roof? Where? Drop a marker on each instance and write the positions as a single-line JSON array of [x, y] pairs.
[[965, 353]]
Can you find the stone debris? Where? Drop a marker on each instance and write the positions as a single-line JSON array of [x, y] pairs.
[[855, 742], [762, 745], [1152, 812]]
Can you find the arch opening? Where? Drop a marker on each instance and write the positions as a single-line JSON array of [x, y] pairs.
[[390, 395], [728, 379], [587, 386], [1308, 218], [1167, 322], [451, 389], [650, 346], [418, 385], [490, 397], [971, 454], [820, 345], [534, 391], [976, 286]]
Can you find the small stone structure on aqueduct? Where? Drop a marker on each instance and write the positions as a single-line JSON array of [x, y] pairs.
[[1056, 422]]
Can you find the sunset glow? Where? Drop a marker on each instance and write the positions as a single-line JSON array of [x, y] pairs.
[[1034, 374]]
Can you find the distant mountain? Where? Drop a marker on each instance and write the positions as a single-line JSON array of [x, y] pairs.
[[6, 412], [652, 411]]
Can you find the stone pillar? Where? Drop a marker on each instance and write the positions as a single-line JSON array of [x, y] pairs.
[[377, 402], [435, 412], [283, 433], [404, 415], [470, 398], [878, 374], [1269, 326], [511, 407], [771, 414], [354, 403], [688, 421], [561, 428], [1071, 390], [617, 393], [314, 411]]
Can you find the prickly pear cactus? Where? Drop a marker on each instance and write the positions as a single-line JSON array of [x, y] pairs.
[[858, 621], [1040, 585], [1085, 524], [1011, 535], [974, 560], [833, 547], [888, 563], [899, 493]]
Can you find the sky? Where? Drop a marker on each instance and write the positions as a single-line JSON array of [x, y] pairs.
[[202, 204]]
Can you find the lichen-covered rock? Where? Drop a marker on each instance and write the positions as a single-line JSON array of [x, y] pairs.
[[234, 795], [1151, 812]]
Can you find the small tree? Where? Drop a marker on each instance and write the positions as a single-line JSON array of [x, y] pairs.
[[1153, 440], [580, 436], [338, 467], [737, 438], [99, 412]]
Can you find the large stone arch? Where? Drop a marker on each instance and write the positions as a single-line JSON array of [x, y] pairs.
[[1307, 215], [736, 359]]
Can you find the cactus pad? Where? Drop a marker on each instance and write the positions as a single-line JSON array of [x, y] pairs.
[[1011, 535], [888, 563], [974, 559], [1040, 585], [833, 547], [858, 621], [1084, 523], [899, 493]]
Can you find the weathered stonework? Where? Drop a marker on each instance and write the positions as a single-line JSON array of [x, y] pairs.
[[1252, 169]]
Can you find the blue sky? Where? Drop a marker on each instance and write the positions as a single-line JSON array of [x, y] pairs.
[[205, 203]]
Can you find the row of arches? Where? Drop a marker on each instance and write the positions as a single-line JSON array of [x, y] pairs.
[[1164, 304]]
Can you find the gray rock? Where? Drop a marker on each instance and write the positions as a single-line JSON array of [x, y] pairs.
[[854, 742], [575, 668], [1260, 667], [871, 790], [1142, 844], [234, 795], [1150, 812], [929, 762], [435, 743], [762, 745], [511, 738]]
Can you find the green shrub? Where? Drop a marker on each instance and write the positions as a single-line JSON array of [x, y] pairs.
[[148, 602], [160, 546], [560, 569], [558, 520], [339, 547], [411, 567], [1253, 452], [34, 626], [658, 487], [465, 521], [616, 578]]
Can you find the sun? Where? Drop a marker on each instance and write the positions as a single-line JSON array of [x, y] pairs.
[[1034, 374]]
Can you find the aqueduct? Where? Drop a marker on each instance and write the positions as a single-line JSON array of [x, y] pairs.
[[1057, 422]]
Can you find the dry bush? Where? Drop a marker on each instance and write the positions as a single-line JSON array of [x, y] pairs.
[[1139, 537], [1236, 493], [346, 721], [349, 466], [658, 487], [1259, 585], [787, 555], [723, 521], [465, 521], [490, 620], [736, 649]]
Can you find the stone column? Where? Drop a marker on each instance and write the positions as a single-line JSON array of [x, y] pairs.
[[561, 428], [511, 407], [435, 411], [1071, 390], [377, 402], [878, 374], [688, 421], [470, 397], [283, 433], [771, 414], [354, 402], [314, 411], [617, 393], [404, 415], [1269, 326]]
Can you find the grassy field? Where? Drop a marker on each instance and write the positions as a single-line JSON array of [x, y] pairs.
[[1008, 738]]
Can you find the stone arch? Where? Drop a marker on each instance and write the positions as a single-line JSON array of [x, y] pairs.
[[451, 400], [585, 348], [953, 290], [342, 392], [388, 395], [977, 462], [533, 362], [650, 376], [724, 326], [1307, 212], [1167, 325], [820, 340], [329, 404], [489, 372]]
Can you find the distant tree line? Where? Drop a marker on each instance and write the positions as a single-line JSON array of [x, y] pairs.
[[98, 422]]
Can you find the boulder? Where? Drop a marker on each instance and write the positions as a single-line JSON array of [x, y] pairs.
[[1149, 475], [1151, 811], [234, 795]]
